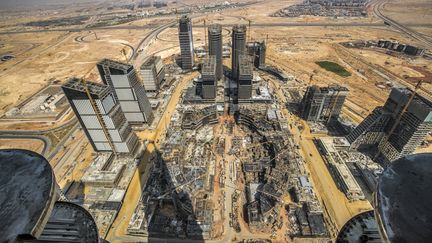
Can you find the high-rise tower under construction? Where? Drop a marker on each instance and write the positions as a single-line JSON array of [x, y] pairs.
[[186, 43], [215, 47]]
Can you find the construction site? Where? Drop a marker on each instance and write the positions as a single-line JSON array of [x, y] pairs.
[[355, 174], [241, 172], [216, 121], [102, 188], [388, 46]]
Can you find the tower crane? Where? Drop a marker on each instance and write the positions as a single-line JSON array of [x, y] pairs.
[[249, 32], [413, 94], [123, 51], [404, 109], [333, 106], [311, 78], [97, 112]]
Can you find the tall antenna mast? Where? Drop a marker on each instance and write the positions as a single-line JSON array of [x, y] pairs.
[[123, 51], [249, 32], [205, 36]]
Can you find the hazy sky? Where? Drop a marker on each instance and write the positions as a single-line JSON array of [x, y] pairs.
[[43, 3], [20, 3]]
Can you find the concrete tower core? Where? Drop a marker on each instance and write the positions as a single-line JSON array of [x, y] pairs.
[[186, 43], [245, 76], [238, 48], [215, 47], [208, 74], [411, 127]]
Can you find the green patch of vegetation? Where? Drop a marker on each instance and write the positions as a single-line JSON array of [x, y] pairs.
[[60, 22], [334, 68], [112, 22]]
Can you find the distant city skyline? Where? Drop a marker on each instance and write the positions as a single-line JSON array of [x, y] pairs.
[[35, 3]]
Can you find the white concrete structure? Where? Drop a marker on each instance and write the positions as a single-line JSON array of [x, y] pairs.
[[128, 90], [113, 128]]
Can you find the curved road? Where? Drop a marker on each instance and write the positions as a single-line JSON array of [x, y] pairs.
[[39, 132], [377, 8], [41, 135], [150, 36], [274, 24], [132, 49], [44, 140]]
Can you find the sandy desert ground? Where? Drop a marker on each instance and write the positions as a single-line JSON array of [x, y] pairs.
[[409, 11], [57, 56], [45, 57], [48, 56], [29, 144]]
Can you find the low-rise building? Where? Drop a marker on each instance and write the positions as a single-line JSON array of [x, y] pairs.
[[339, 170]]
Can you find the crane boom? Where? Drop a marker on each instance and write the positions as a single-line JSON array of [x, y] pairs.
[[333, 107], [399, 117], [99, 117], [413, 94]]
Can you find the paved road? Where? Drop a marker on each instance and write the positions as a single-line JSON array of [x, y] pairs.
[[318, 24], [45, 140], [377, 8], [40, 132], [148, 38], [278, 24], [12, 68], [41, 135]]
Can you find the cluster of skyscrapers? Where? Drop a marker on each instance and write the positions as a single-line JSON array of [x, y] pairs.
[[107, 110], [244, 56], [388, 133]]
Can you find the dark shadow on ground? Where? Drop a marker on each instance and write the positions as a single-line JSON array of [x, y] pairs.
[[336, 128], [169, 210]]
